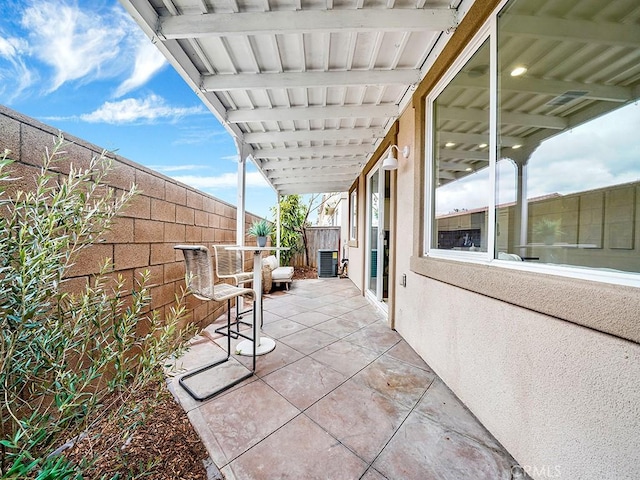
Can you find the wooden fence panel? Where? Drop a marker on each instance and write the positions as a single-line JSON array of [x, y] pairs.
[[318, 238]]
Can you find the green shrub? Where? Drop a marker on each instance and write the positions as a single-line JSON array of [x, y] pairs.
[[64, 354]]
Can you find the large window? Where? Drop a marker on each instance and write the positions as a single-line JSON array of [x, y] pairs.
[[555, 178]]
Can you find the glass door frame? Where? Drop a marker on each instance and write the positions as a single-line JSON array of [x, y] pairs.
[[376, 294]]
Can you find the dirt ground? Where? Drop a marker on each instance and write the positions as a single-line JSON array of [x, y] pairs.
[[304, 272], [165, 447]]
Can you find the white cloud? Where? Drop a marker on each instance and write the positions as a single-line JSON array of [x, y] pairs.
[[89, 43], [226, 180], [74, 43], [132, 110], [199, 135], [15, 76], [148, 61]]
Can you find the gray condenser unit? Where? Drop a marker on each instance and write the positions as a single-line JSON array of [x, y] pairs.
[[327, 263]]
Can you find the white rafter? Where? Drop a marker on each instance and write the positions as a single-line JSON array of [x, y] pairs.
[[311, 113], [614, 34], [299, 152], [305, 21], [289, 164], [314, 135], [511, 118], [244, 81]]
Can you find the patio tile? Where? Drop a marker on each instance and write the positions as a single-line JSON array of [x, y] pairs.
[[304, 382], [355, 302], [362, 316], [208, 381], [345, 357], [299, 450], [282, 328], [333, 310], [426, 450], [282, 356], [287, 310], [270, 317], [338, 327], [197, 355], [242, 418], [441, 405], [402, 351], [306, 295], [310, 318], [393, 419], [309, 340], [378, 338], [398, 381], [359, 417], [373, 474]]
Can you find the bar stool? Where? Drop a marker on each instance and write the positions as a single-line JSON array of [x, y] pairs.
[[199, 277]]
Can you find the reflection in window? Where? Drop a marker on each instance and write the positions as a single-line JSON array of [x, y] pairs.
[[568, 179], [567, 170], [461, 179]]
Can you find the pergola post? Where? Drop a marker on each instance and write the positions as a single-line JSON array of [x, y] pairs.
[[278, 225], [242, 173]]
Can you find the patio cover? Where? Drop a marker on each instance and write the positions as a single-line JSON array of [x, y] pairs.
[[307, 89]]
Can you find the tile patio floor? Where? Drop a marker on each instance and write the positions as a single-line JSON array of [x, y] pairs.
[[341, 397]]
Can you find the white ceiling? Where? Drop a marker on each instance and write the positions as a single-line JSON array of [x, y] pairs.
[[308, 87]]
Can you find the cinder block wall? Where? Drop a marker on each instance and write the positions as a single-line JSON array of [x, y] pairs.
[[166, 213]]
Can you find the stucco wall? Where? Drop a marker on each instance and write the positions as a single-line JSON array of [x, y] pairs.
[[166, 213], [563, 398]]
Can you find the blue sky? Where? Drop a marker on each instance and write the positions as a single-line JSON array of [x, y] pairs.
[[86, 68]]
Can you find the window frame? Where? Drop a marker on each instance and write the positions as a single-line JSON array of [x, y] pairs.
[[353, 215], [489, 30], [484, 34]]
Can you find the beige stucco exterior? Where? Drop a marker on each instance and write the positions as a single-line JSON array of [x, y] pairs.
[[548, 363]]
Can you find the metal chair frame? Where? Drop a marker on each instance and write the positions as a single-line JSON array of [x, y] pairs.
[[199, 280], [230, 265]]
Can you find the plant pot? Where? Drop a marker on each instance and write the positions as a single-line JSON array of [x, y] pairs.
[[262, 241]]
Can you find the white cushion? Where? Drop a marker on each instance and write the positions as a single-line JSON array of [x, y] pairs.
[[271, 260], [282, 274]]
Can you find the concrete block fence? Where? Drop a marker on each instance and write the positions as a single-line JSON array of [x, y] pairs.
[[164, 214]]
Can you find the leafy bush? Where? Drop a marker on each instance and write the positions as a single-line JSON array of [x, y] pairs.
[[65, 354], [293, 220]]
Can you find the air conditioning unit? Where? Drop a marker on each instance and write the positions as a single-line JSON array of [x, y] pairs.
[[327, 263]]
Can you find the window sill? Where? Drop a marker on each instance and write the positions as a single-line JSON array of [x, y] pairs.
[[611, 309]]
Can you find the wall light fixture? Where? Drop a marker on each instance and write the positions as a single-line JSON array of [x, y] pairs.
[[391, 162]]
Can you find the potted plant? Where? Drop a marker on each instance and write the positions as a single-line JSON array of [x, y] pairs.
[[260, 229]]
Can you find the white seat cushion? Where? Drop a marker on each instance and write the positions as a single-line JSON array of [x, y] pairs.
[[282, 274]]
